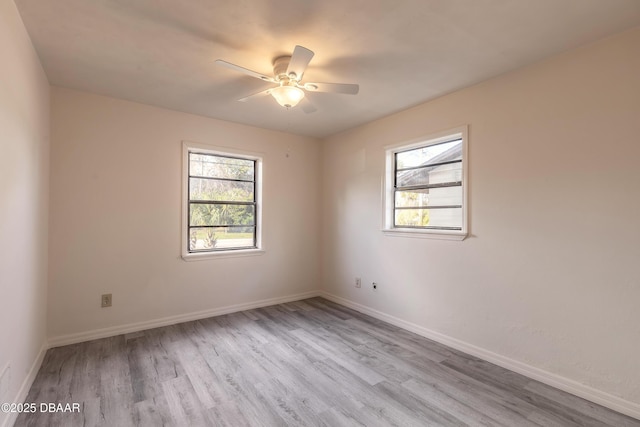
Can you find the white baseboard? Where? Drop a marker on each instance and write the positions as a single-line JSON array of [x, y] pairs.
[[172, 320], [26, 384], [570, 386]]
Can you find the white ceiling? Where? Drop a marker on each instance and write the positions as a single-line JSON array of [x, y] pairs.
[[401, 52]]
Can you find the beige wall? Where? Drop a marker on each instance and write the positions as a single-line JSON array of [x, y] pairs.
[[24, 194], [116, 215], [550, 274]]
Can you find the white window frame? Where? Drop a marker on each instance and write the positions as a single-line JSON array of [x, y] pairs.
[[388, 227], [188, 147]]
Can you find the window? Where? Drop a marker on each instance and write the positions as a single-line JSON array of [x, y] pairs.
[[221, 202], [425, 187]]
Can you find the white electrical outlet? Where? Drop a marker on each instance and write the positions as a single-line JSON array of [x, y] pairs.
[[106, 300], [358, 282]]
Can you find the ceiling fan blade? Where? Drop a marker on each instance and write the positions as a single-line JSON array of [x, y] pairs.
[[345, 88], [307, 106], [244, 70], [256, 95], [299, 61]]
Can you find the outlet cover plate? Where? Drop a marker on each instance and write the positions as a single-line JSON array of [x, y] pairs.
[[106, 300]]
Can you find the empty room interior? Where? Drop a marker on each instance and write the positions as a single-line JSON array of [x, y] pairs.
[[322, 213]]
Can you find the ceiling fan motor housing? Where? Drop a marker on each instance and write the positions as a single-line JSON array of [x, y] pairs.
[[280, 65]]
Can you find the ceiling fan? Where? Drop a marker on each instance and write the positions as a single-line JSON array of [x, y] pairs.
[[287, 74]]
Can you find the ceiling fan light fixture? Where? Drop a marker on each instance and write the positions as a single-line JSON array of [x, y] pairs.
[[287, 75], [287, 96]]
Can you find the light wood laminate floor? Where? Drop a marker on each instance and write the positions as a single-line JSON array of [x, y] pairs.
[[306, 363]]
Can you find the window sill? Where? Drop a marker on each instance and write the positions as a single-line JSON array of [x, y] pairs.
[[201, 256], [425, 234]]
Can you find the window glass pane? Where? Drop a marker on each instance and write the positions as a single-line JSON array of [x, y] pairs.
[[221, 214], [221, 238], [451, 172], [213, 189], [443, 152], [444, 218], [220, 167], [442, 196]]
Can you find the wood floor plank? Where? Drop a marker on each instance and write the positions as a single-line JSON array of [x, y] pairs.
[[338, 418], [184, 406], [116, 390], [358, 369], [583, 406], [230, 414], [91, 415], [304, 363], [456, 407], [375, 407], [424, 348], [152, 412]]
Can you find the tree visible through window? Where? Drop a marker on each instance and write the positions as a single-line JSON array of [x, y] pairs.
[[222, 202], [425, 186], [428, 186]]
